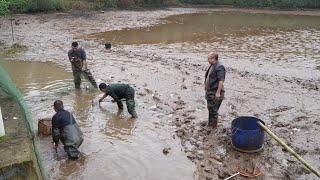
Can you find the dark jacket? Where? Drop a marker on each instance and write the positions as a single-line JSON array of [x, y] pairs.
[[120, 91], [79, 56], [65, 128], [218, 73]]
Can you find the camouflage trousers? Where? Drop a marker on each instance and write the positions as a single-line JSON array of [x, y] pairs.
[[87, 75], [72, 151], [213, 104], [130, 103]]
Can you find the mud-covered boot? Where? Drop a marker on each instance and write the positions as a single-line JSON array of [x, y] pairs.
[[77, 86], [213, 123], [134, 115]]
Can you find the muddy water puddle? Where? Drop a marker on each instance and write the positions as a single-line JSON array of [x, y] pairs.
[[208, 27], [34, 78], [115, 146]]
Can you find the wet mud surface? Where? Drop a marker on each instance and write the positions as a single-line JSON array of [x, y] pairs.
[[272, 73]]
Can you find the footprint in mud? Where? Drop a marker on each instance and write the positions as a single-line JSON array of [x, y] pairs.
[[316, 123], [280, 109], [281, 124], [179, 102], [156, 98], [244, 73], [197, 82], [141, 94], [191, 111], [148, 90], [300, 118], [184, 86]]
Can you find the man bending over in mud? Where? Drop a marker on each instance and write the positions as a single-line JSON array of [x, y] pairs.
[[65, 129], [214, 80], [78, 59], [118, 92]]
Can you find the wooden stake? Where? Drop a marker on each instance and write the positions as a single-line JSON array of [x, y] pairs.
[[12, 30]]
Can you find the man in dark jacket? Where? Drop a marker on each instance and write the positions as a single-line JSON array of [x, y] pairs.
[[78, 59], [65, 129], [118, 92], [214, 80]]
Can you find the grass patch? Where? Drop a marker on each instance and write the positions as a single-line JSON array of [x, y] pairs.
[[47, 5], [4, 138], [14, 50]]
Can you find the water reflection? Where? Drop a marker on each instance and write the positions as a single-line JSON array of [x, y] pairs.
[[118, 127], [83, 100], [70, 167], [32, 78]]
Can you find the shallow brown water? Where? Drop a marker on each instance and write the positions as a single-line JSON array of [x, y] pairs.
[[115, 146], [208, 27], [34, 78]]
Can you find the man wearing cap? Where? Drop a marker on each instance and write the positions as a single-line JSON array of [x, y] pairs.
[[66, 130], [214, 80], [78, 59], [118, 92]]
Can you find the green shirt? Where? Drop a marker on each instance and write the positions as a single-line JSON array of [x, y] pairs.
[[119, 91]]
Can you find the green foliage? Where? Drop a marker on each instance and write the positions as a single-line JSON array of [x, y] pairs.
[[13, 50], [18, 5], [47, 5], [4, 7], [61, 5], [22, 6], [14, 6], [3, 138]]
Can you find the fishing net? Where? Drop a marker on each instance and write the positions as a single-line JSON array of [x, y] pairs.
[[19, 134]]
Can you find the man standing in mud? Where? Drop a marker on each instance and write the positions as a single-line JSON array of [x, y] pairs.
[[118, 92], [78, 59], [214, 80], [65, 129]]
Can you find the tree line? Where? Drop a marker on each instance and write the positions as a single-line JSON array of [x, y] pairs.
[[26, 6]]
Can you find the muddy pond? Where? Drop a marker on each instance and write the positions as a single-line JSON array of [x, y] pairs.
[[208, 27], [117, 147]]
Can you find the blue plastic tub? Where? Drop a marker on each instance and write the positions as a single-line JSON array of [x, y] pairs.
[[247, 135]]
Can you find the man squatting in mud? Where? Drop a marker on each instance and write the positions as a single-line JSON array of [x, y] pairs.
[[214, 80], [78, 59], [118, 92], [65, 129]]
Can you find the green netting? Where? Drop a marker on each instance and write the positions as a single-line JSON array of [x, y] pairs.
[[8, 88]]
